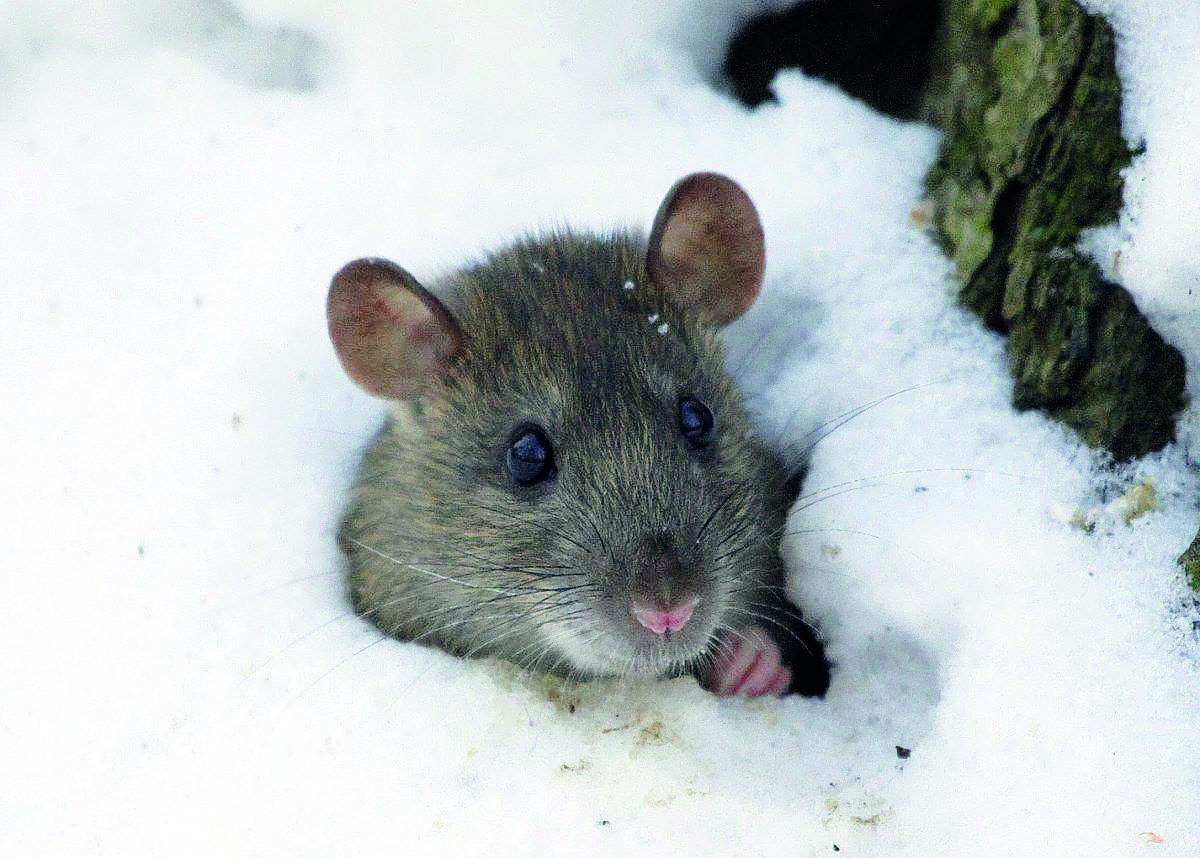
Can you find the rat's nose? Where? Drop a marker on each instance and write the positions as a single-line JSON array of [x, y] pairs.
[[671, 619]]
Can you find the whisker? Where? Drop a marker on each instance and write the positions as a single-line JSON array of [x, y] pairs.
[[842, 419], [711, 516], [738, 531], [905, 473], [450, 578], [382, 637], [556, 533], [779, 625]]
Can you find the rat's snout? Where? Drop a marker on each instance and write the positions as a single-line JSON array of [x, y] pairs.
[[669, 620], [663, 598]]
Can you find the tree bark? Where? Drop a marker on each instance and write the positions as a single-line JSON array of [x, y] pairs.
[[1029, 98], [1190, 561]]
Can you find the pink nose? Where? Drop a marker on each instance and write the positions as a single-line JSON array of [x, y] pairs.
[[670, 620]]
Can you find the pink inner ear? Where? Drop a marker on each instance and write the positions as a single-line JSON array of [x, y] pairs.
[[392, 336], [706, 247]]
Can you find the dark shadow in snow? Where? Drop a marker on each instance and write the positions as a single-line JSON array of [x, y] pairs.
[[262, 57], [892, 682], [904, 667], [875, 50]]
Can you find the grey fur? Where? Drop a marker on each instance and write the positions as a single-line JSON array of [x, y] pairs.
[[444, 548]]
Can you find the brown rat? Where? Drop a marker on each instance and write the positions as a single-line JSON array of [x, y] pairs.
[[569, 480]]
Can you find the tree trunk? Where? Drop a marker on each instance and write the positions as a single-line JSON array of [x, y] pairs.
[[1028, 95]]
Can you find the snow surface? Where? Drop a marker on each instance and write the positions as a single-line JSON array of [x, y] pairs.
[[179, 670]]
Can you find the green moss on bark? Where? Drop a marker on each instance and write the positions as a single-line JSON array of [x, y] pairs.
[[1028, 95], [1190, 561]]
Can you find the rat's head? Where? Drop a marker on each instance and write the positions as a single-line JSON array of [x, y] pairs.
[[568, 434]]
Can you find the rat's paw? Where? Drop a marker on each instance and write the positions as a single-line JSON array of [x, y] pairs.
[[749, 663]]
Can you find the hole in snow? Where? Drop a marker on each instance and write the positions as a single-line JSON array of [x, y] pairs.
[[875, 50]]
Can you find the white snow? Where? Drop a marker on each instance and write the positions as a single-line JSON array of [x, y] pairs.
[[179, 670]]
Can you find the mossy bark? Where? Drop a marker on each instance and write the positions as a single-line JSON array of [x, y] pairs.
[[1029, 98], [1190, 561]]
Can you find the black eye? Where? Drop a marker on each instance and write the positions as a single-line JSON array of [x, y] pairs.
[[695, 423], [530, 458]]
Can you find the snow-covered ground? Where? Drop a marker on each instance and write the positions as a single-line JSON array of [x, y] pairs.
[[179, 670]]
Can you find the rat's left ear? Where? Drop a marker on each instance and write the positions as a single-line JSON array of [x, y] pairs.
[[706, 247]]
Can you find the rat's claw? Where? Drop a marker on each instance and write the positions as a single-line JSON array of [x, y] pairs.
[[750, 665]]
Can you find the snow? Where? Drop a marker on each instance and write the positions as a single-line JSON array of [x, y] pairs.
[[179, 670], [1151, 250]]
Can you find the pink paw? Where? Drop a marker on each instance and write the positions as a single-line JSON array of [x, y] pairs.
[[749, 663]]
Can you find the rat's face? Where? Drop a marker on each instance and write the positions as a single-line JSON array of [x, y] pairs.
[[592, 445], [579, 449]]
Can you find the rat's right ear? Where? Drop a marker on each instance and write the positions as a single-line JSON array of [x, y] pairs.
[[394, 338]]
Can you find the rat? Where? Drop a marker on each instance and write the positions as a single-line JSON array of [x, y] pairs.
[[568, 478]]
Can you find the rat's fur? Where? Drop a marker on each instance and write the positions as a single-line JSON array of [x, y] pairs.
[[445, 548]]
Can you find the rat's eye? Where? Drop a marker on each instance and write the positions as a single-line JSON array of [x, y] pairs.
[[695, 423], [530, 458]]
